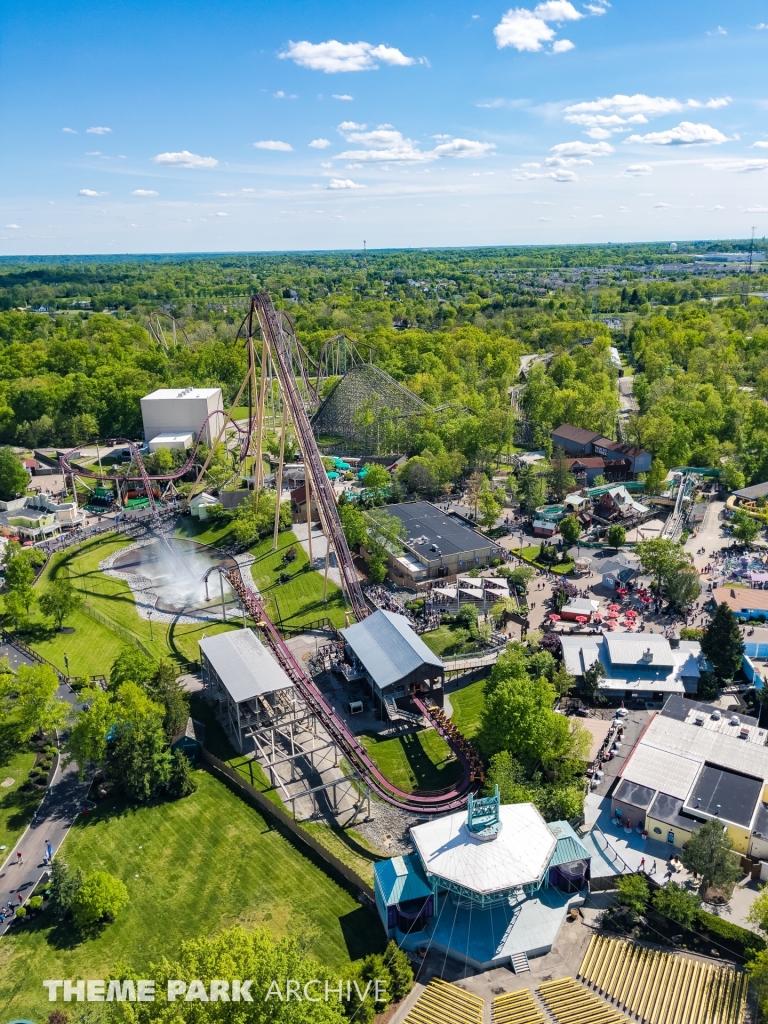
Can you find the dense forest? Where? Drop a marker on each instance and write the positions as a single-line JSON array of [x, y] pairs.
[[76, 355]]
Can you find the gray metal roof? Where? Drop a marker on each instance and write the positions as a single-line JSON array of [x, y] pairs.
[[388, 648], [628, 649], [244, 666]]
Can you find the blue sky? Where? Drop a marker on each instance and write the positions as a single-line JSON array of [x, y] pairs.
[[178, 127]]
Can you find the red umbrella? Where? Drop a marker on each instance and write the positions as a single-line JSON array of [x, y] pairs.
[[631, 614], [554, 617], [611, 625], [614, 607], [613, 615], [581, 619]]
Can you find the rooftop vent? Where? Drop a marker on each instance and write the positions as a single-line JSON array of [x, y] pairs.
[[716, 716], [699, 719], [744, 732], [735, 720], [647, 655]]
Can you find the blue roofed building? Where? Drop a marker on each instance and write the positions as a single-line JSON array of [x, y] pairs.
[[486, 886]]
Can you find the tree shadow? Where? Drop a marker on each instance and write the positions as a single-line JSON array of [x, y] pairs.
[[429, 776], [362, 932]]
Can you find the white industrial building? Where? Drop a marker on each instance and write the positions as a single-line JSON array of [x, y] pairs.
[[177, 412]]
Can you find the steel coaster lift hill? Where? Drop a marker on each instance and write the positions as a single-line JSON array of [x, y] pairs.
[[297, 380]]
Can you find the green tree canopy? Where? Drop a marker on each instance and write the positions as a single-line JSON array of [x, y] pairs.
[[616, 535], [99, 898], [37, 708], [722, 643], [60, 600], [677, 904], [709, 853], [570, 529], [13, 477]]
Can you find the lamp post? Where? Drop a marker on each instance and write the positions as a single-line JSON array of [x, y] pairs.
[[149, 616]]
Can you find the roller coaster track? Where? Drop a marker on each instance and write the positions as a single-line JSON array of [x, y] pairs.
[[279, 334], [440, 802], [142, 475]]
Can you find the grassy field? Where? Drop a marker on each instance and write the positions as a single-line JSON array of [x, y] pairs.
[[192, 867], [206, 532], [467, 705], [299, 601], [416, 762], [15, 807], [93, 646]]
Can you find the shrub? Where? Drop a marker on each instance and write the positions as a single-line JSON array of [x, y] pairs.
[[35, 902], [21, 912], [100, 897], [738, 940]]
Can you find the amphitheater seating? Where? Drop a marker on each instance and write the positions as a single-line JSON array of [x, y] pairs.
[[518, 1007], [444, 1003], [664, 988], [570, 1003]]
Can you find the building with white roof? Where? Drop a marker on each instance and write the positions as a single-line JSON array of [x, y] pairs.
[[243, 681], [180, 411], [696, 763], [485, 885], [637, 666]]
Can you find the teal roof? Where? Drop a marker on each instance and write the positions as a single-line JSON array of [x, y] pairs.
[[568, 848], [401, 879]]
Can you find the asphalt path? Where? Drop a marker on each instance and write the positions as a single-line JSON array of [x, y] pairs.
[[62, 801]]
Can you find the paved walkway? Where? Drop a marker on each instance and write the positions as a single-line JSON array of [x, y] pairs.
[[62, 802], [64, 799]]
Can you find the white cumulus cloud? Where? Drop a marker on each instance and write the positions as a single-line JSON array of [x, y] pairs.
[[638, 170], [98, 131], [463, 148], [185, 159], [274, 144], [144, 192], [749, 209], [14, 227], [333, 57], [90, 192], [343, 96], [340, 183], [387, 145], [319, 144], [69, 131], [222, 214], [582, 149], [528, 30], [762, 144], [613, 113], [685, 134]]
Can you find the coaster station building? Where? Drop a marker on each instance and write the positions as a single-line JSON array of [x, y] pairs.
[[490, 886]]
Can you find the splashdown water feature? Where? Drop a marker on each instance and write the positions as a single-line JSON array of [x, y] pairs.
[[175, 569]]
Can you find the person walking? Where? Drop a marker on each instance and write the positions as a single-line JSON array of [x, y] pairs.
[[19, 858]]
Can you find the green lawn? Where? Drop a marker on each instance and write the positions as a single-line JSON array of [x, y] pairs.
[[467, 704], [299, 601], [93, 646], [415, 762], [15, 807], [192, 867], [206, 532]]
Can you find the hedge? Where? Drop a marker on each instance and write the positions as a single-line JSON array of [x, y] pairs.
[[739, 940]]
